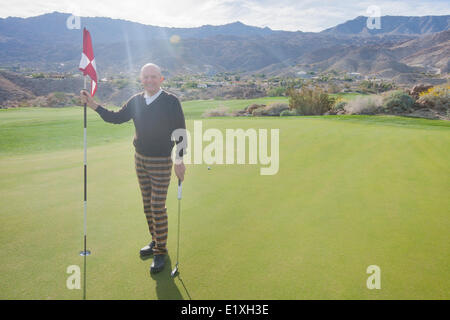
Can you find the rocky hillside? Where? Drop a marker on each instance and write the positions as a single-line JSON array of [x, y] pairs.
[[15, 87], [44, 43], [390, 60], [407, 50], [393, 25]]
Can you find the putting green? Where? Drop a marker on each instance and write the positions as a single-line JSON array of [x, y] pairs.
[[350, 192]]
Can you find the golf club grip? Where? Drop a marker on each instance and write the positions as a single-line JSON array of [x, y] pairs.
[[179, 189]]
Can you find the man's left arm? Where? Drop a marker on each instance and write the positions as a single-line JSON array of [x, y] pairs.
[[181, 143]]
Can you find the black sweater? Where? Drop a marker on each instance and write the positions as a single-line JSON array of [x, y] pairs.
[[154, 123]]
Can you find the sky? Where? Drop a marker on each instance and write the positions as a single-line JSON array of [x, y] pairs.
[[290, 15]]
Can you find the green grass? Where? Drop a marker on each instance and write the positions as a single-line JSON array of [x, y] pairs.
[[47, 126], [195, 109], [38, 130], [351, 192]]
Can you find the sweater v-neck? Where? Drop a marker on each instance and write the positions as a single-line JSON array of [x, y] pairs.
[[145, 101]]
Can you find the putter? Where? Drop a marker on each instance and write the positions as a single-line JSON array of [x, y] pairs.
[[175, 270]]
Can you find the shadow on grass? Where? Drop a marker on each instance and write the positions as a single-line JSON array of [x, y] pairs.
[[166, 289]]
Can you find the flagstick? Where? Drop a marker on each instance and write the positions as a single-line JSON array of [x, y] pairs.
[[85, 252]]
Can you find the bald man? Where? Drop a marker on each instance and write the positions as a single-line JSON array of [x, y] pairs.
[[156, 115]]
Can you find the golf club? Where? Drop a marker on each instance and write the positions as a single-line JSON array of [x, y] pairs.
[[175, 270]]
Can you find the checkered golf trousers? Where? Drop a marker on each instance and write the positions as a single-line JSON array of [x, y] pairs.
[[154, 177]]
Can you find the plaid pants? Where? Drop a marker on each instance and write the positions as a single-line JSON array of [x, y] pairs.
[[154, 177]]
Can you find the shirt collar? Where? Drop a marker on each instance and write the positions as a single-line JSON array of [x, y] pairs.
[[153, 97]]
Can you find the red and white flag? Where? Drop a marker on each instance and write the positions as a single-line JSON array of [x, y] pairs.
[[87, 63]]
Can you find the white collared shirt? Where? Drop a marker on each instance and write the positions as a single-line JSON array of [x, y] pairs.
[[150, 99]]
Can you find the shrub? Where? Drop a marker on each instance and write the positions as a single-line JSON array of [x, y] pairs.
[[333, 88], [436, 98], [286, 113], [368, 86], [59, 95], [220, 111], [190, 85], [121, 83], [39, 75], [418, 89], [364, 105], [253, 106], [258, 112], [339, 105], [276, 92], [24, 104], [310, 101], [273, 109], [239, 113], [398, 101]]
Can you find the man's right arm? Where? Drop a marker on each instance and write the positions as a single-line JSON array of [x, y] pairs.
[[116, 117]]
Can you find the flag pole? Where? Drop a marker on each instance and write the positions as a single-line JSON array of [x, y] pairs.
[[87, 65], [85, 252]]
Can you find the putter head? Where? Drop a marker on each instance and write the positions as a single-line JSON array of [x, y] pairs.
[[174, 271]]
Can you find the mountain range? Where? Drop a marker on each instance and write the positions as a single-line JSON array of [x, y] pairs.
[[403, 45]]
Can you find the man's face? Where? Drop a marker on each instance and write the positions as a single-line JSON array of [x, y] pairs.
[[151, 79]]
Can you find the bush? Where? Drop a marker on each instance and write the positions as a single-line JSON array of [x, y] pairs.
[[436, 98], [253, 106], [367, 86], [121, 83], [333, 88], [258, 112], [364, 105], [310, 101], [276, 92], [59, 95], [286, 113], [220, 111], [273, 109], [39, 75], [397, 102], [190, 85], [339, 106]]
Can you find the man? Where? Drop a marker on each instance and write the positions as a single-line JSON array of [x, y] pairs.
[[156, 114]]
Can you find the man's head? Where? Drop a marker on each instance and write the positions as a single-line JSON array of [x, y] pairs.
[[151, 78]]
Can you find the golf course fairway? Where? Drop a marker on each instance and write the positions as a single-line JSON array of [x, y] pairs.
[[350, 192]]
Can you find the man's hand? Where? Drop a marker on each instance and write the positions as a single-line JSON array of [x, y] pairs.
[[180, 169], [85, 97]]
